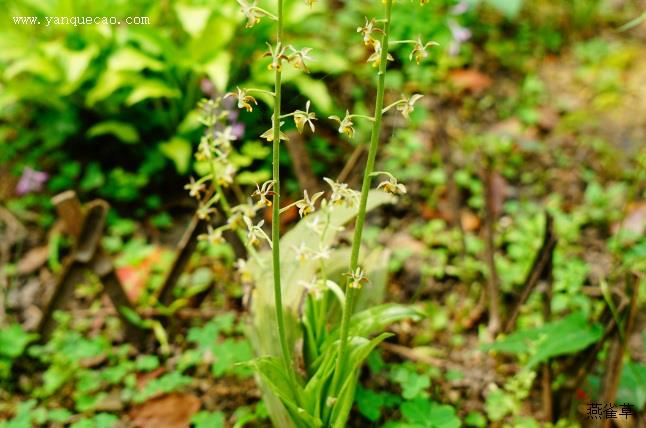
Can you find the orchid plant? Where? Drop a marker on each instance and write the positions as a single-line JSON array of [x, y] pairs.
[[309, 326]]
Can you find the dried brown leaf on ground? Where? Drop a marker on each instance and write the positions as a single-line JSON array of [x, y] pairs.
[[33, 259], [169, 411], [470, 80]]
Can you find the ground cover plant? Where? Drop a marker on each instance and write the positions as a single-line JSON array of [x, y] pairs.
[[323, 214]]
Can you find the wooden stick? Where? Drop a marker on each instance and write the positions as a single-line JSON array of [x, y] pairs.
[[69, 210], [185, 250], [86, 253], [351, 163], [539, 268], [615, 360], [546, 378], [302, 165], [493, 290]]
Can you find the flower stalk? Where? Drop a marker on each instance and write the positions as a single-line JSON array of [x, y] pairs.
[[275, 222], [351, 292]]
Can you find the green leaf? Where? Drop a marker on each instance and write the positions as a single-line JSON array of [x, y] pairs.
[[632, 385], [108, 83], [360, 348], [228, 353], [131, 59], [632, 24], [429, 414], [193, 18], [14, 340], [93, 177], [101, 420], [59, 415], [369, 403], [76, 63], [146, 363], [169, 382], [509, 8], [475, 419], [124, 131], [218, 70], [273, 375], [413, 384], [316, 91], [377, 318], [208, 420], [179, 150], [566, 336], [151, 88]]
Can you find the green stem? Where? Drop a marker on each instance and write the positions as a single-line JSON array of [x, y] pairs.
[[365, 188], [275, 221], [362, 116]]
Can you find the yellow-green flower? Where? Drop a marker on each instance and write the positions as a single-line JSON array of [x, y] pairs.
[[269, 134], [303, 117], [408, 105], [244, 100], [263, 192], [253, 13], [277, 55], [419, 51], [375, 58], [212, 236], [255, 234], [195, 188], [341, 193], [306, 205], [391, 186], [357, 278], [298, 58], [346, 126], [367, 30]]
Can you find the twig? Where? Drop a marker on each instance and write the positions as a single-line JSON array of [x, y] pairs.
[[538, 270], [614, 362], [302, 165], [151, 313], [489, 219], [351, 163], [185, 249], [446, 152], [546, 378]]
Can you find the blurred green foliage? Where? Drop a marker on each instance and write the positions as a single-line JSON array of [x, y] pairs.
[[110, 109]]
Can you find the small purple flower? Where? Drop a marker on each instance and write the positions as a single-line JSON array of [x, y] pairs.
[[207, 87], [237, 129], [460, 35], [31, 181], [460, 8]]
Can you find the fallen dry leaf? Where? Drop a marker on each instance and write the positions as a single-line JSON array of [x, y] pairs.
[[635, 220], [33, 259], [499, 192], [470, 80], [135, 278], [548, 118], [470, 221], [168, 411]]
